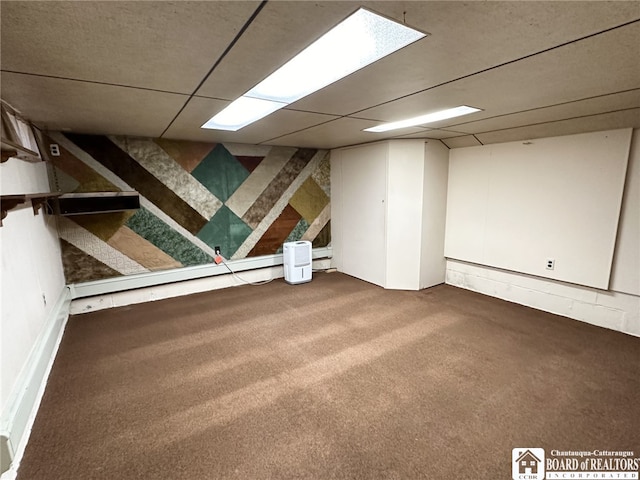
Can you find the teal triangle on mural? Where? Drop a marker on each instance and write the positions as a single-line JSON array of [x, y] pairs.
[[171, 242], [225, 230], [220, 172]]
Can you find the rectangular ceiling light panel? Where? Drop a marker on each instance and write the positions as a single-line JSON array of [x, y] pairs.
[[358, 41], [424, 119], [241, 112]]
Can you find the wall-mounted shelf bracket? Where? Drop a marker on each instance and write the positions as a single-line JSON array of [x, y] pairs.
[[9, 202], [11, 149]]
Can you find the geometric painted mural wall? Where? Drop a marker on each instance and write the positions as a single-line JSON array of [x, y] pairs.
[[247, 199]]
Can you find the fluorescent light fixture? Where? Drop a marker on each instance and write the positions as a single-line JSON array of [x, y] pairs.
[[361, 39], [241, 113], [356, 42], [422, 119]]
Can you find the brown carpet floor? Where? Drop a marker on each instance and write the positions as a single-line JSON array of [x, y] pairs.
[[334, 379]]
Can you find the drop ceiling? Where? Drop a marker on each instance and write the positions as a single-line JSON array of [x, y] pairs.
[[161, 69]]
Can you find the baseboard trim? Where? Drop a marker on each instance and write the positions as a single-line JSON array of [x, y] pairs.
[[151, 279], [19, 414], [186, 281]]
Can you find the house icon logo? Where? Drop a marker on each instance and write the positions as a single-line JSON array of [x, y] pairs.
[[527, 463]]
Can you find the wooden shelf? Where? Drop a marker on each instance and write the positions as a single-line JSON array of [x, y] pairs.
[[11, 149], [9, 202]]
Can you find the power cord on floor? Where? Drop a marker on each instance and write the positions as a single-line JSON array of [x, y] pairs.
[[220, 259]]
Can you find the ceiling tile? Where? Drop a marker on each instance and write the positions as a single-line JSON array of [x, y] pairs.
[[593, 123], [338, 133], [160, 45], [584, 69], [460, 142], [431, 133], [466, 37], [590, 106], [84, 107], [279, 32], [199, 110]]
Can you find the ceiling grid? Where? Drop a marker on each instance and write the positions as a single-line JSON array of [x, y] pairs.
[[145, 69]]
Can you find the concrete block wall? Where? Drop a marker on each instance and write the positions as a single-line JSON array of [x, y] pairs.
[[613, 310]]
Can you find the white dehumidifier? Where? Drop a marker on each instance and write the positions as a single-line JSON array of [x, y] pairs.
[[297, 261]]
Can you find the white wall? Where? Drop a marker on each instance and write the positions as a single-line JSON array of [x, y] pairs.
[[386, 197], [616, 307], [625, 276], [434, 204], [405, 174], [515, 205], [32, 283], [358, 212]]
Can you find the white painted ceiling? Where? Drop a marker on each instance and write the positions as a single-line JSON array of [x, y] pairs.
[[161, 69]]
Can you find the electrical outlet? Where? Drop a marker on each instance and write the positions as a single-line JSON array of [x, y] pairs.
[[217, 250], [551, 263], [54, 148]]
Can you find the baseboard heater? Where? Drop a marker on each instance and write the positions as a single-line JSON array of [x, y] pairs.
[[163, 277]]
